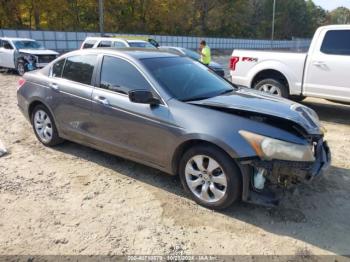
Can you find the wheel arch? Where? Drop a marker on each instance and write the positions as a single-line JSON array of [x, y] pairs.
[[35, 102], [244, 170], [290, 75], [270, 73], [186, 145]]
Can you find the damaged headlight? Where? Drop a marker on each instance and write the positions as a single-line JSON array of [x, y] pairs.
[[30, 58], [268, 148]]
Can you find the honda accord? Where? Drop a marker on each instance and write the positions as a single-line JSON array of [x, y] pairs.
[[175, 114]]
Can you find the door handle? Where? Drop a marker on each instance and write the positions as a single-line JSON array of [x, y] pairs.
[[102, 100], [54, 86], [319, 63]]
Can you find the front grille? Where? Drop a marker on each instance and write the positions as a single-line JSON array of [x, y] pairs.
[[46, 58]]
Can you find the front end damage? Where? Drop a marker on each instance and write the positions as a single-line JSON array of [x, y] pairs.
[[265, 181], [282, 160]]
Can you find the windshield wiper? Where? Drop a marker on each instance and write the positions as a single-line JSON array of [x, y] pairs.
[[226, 92], [196, 98]]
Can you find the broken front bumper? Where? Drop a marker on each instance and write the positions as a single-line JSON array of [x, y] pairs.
[[282, 174], [297, 171]]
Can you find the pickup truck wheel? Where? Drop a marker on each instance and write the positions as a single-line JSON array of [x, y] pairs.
[[210, 176], [21, 68], [273, 87]]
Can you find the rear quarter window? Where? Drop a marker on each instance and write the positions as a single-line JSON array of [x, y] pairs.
[[336, 42], [57, 68], [79, 68]]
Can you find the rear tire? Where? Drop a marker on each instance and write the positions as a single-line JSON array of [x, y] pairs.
[[272, 86], [44, 126], [210, 176]]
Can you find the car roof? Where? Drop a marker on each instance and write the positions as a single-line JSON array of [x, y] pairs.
[[137, 41], [136, 53], [104, 38], [168, 46], [16, 38]]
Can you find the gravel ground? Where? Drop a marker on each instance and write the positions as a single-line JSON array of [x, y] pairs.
[[75, 200]]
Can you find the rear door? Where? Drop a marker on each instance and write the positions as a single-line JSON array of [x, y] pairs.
[[138, 131], [7, 54], [71, 88], [327, 72]]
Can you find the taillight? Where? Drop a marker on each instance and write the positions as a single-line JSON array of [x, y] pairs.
[[21, 82], [233, 62]]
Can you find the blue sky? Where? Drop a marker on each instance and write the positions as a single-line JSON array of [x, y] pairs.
[[332, 4]]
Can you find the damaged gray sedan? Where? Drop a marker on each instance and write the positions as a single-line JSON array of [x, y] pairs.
[[176, 115]]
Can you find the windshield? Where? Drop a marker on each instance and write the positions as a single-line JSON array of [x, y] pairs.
[[27, 44], [191, 54], [186, 79], [141, 45]]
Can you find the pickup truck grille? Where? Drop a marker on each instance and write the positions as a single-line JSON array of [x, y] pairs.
[[46, 58]]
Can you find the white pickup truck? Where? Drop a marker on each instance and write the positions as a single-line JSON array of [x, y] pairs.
[[323, 72]]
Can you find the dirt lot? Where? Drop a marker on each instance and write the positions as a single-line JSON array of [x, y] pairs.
[[75, 200]]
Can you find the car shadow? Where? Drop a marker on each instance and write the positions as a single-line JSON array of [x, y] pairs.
[[317, 213], [330, 112]]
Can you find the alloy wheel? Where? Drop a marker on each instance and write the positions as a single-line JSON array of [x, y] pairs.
[[205, 178], [271, 89]]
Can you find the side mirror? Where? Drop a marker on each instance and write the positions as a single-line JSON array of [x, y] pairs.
[[153, 42], [143, 97]]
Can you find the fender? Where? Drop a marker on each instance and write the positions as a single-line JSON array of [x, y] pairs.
[[293, 80]]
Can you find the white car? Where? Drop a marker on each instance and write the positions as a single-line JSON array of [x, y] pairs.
[[95, 42], [24, 54], [322, 72]]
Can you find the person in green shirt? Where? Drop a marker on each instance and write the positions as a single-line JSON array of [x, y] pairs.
[[205, 53]]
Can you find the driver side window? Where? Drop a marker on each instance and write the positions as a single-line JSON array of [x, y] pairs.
[[6, 44], [120, 76]]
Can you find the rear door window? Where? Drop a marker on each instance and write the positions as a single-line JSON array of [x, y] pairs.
[[57, 68], [79, 68], [119, 44], [120, 76], [105, 44], [89, 44], [336, 42]]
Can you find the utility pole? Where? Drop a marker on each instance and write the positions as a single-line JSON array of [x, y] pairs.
[[273, 23], [100, 8]]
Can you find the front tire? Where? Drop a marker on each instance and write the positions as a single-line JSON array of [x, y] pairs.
[[44, 126], [21, 68], [210, 176], [273, 87]]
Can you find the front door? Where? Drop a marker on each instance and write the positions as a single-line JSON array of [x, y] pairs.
[[7, 54], [327, 72], [138, 131]]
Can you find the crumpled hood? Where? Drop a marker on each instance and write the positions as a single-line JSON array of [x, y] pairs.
[[38, 51], [251, 100]]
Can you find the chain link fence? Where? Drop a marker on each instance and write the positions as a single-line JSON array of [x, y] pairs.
[[66, 41]]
